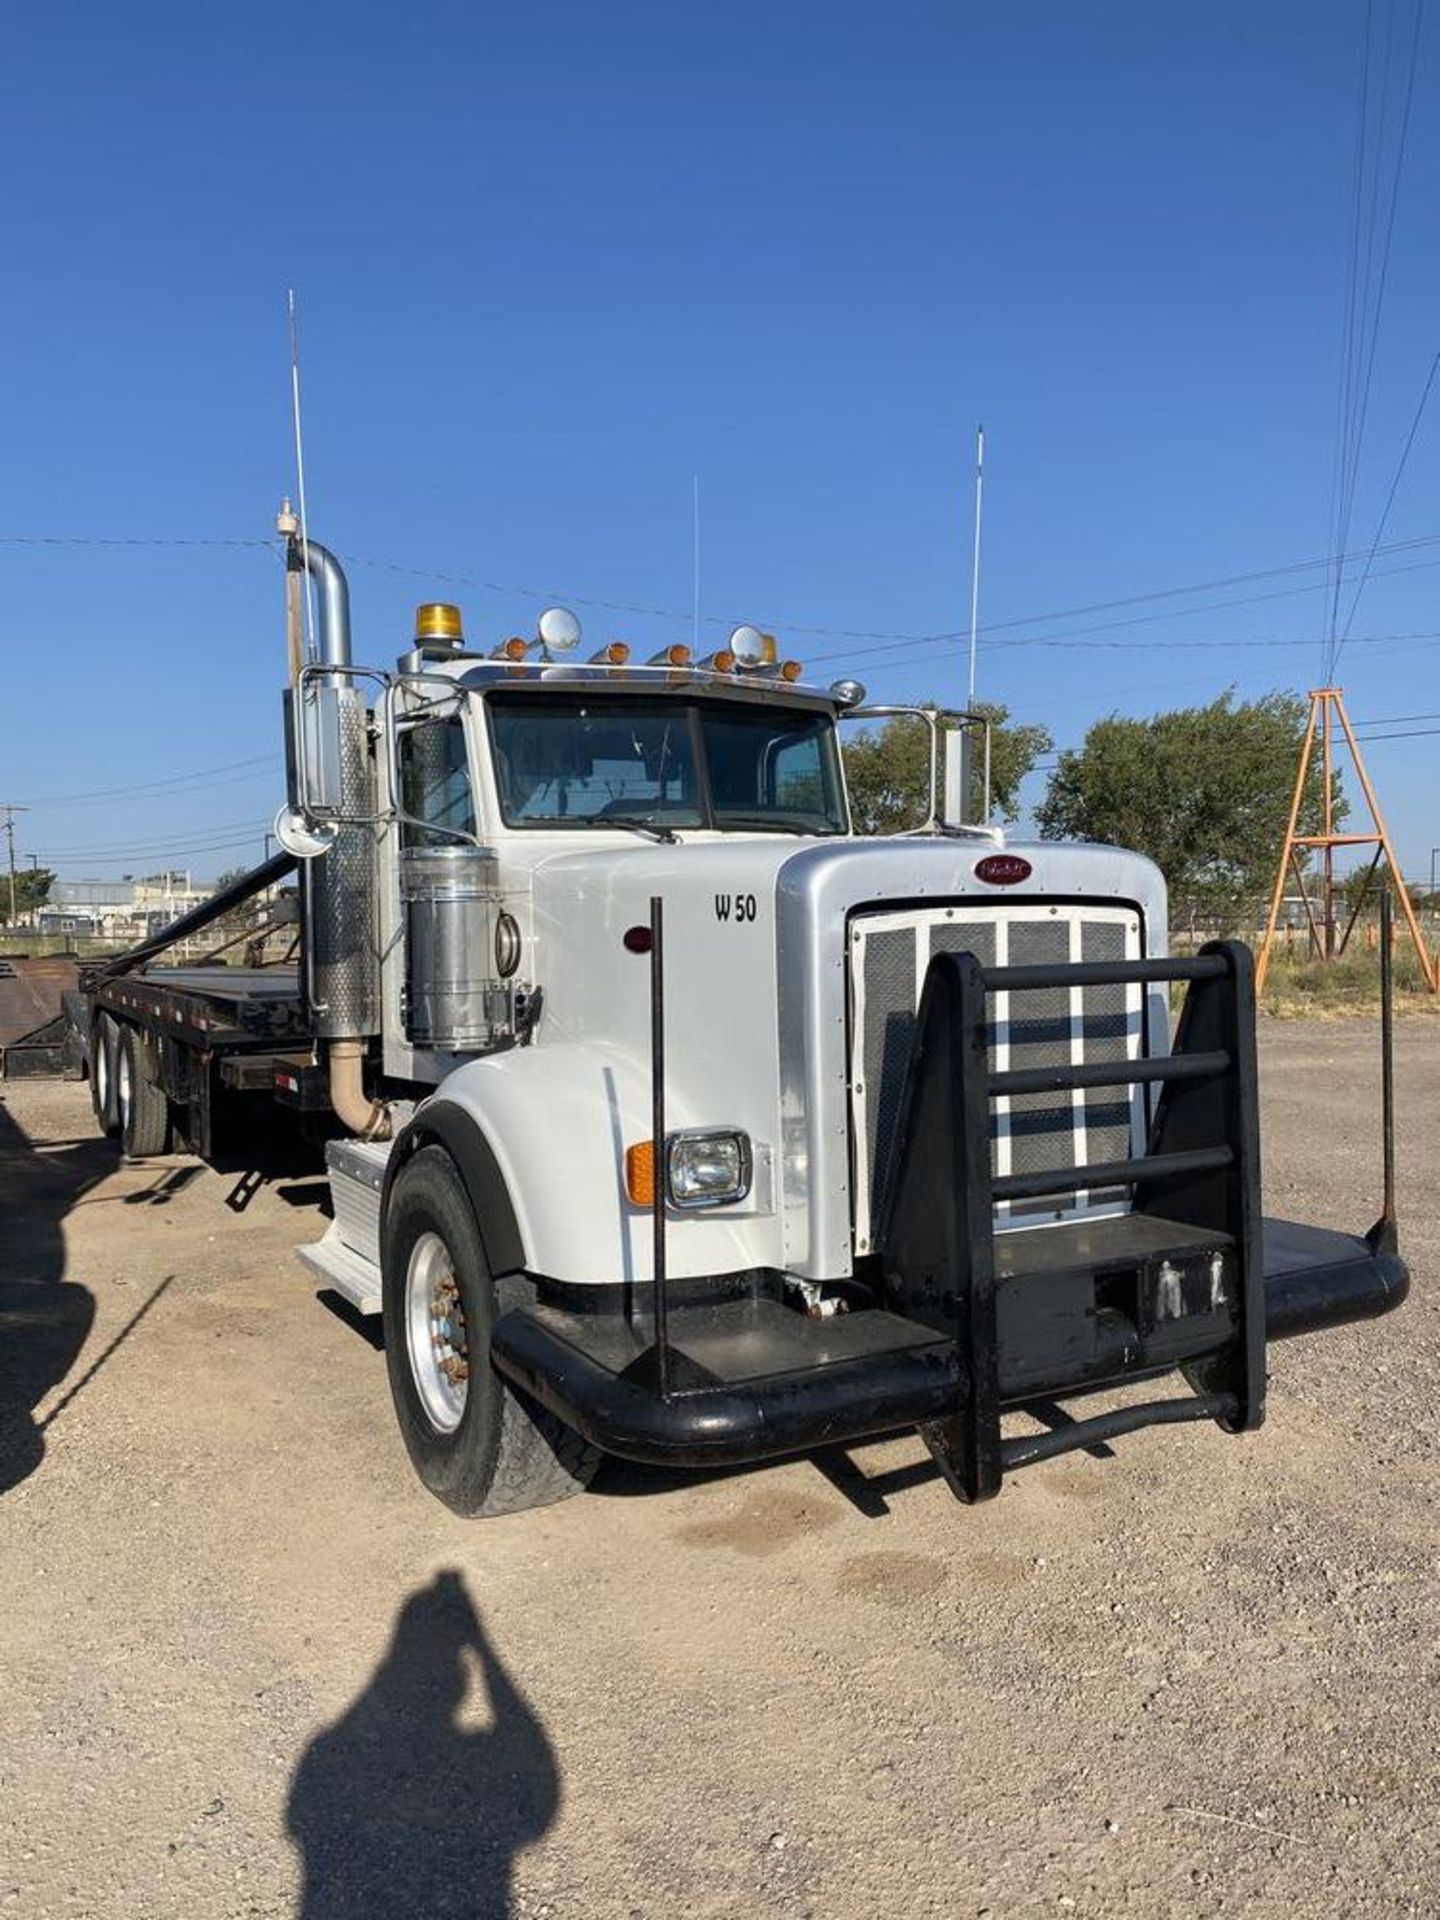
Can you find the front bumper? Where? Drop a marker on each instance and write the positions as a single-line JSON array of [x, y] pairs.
[[968, 1321], [753, 1378]]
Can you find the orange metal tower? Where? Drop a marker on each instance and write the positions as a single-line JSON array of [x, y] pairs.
[[1327, 706]]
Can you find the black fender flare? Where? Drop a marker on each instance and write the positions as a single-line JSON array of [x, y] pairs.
[[442, 1123]]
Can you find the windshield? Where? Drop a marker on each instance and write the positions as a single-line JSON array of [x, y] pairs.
[[588, 758]]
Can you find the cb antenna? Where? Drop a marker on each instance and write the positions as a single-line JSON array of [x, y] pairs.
[[293, 310], [695, 568], [975, 565]]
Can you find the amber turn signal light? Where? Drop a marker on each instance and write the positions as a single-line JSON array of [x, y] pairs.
[[640, 1173]]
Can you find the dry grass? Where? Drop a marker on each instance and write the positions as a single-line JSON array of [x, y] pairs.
[[1302, 988]]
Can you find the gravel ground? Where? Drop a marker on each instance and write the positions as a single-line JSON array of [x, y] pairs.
[[247, 1667]]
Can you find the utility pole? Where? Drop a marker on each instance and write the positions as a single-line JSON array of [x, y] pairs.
[[10, 813]]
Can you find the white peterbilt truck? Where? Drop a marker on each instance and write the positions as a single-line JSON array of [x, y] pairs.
[[666, 1116]]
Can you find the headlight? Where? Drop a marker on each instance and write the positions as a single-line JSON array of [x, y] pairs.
[[708, 1167]]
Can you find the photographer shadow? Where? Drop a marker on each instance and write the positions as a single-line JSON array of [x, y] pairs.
[[398, 1808], [45, 1319]]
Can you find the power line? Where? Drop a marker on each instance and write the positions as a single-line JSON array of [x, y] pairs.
[[438, 576], [203, 774], [1389, 502], [1347, 332], [101, 540], [1361, 348], [157, 842], [909, 645]]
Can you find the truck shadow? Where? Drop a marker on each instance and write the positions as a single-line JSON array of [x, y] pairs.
[[869, 1489], [400, 1808], [45, 1319]]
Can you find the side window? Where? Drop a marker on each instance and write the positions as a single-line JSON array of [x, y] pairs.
[[434, 783], [797, 775]]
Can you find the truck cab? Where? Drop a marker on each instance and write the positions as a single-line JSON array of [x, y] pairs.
[[692, 1126], [668, 1117]]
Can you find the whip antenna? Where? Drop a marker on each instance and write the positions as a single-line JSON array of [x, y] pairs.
[[975, 564], [695, 603], [294, 316]]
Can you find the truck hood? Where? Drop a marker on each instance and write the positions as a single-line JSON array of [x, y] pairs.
[[756, 979]]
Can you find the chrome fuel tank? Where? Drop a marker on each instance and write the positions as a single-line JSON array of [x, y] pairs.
[[455, 1000]]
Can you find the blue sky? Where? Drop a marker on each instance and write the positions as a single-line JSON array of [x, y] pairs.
[[555, 261]]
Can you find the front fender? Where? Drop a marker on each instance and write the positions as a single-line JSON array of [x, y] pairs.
[[539, 1134]]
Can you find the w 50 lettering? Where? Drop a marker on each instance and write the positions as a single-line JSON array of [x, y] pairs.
[[735, 906]]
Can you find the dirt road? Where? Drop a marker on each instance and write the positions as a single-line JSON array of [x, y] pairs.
[[247, 1667]]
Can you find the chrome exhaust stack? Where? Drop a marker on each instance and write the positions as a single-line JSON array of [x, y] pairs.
[[332, 784]]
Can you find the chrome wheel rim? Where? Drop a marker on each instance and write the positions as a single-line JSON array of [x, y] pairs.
[[435, 1332], [102, 1075], [122, 1085]]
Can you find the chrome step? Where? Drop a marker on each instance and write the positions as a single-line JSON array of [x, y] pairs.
[[349, 1273]]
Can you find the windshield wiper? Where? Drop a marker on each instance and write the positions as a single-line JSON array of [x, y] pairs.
[[769, 823], [636, 825]]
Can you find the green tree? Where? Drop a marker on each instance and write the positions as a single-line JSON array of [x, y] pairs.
[[887, 769], [1204, 791], [32, 890]]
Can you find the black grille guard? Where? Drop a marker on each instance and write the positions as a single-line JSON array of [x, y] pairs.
[[970, 1323]]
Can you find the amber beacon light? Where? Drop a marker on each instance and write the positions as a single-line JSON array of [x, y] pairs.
[[438, 621]]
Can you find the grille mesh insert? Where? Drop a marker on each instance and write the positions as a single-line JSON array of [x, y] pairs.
[[1030, 1133]]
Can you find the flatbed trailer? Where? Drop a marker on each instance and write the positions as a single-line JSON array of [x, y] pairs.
[[213, 1030], [197, 1034]]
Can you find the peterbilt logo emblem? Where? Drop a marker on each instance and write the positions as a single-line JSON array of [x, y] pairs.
[[1002, 869]]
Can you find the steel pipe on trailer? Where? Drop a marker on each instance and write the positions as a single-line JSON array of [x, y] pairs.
[[198, 918]]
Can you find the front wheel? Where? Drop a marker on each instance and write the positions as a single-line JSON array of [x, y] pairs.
[[478, 1443]]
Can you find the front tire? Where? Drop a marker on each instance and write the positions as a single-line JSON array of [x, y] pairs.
[[143, 1110], [478, 1443]]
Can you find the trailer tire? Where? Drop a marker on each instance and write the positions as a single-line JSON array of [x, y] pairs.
[[482, 1447], [144, 1112], [101, 1061]]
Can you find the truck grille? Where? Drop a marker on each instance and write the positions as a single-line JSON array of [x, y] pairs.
[[889, 955]]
